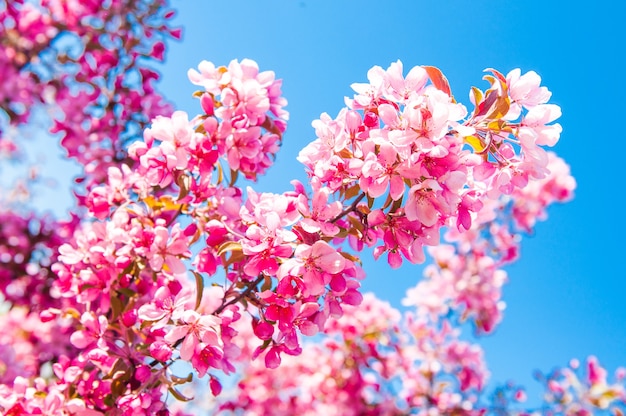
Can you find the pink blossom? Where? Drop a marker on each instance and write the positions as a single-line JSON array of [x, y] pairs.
[[314, 264], [422, 203], [525, 91], [167, 248], [318, 217], [165, 307], [379, 173], [194, 329], [93, 332]]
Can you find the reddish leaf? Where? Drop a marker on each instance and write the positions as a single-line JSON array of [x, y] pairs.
[[485, 106], [438, 79], [498, 75]]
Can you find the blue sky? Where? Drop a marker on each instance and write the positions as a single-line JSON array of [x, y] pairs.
[[567, 295]]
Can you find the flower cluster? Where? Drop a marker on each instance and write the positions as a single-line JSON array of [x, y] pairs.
[[28, 247], [177, 264], [467, 274], [404, 141], [585, 390], [86, 63], [421, 365], [249, 102]]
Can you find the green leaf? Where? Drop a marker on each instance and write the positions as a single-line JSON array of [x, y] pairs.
[[184, 183], [352, 191], [350, 257], [118, 368], [387, 202], [356, 223], [199, 288], [396, 205], [234, 174], [116, 307], [235, 250], [220, 173], [181, 380], [126, 291], [228, 246], [118, 387], [178, 395]]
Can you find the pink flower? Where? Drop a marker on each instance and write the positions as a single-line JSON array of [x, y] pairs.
[[379, 172], [167, 249], [525, 90], [160, 351], [165, 307], [422, 203], [317, 219], [401, 88], [537, 121], [315, 264], [93, 332], [195, 328]]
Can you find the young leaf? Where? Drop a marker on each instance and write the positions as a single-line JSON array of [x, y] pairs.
[[476, 143], [234, 174], [228, 246], [178, 395], [438, 79], [199, 288]]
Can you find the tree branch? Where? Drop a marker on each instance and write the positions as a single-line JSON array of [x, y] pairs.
[[350, 209]]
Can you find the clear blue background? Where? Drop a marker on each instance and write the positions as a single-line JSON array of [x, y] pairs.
[[567, 296]]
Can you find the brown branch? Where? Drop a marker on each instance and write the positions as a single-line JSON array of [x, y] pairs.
[[350, 209], [249, 288]]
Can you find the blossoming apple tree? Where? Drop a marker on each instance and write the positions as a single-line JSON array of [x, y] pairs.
[[168, 263]]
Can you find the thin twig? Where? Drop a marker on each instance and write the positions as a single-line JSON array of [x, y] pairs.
[[249, 288], [350, 209]]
